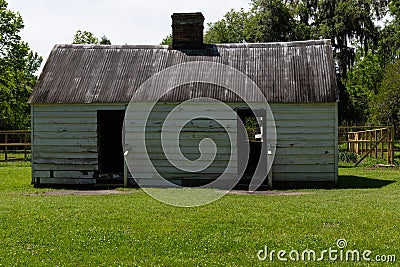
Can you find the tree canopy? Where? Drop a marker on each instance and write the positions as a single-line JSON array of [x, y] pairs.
[[365, 46], [87, 37], [18, 65]]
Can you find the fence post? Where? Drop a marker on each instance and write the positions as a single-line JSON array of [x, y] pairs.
[[375, 140], [392, 144], [382, 144], [5, 147]]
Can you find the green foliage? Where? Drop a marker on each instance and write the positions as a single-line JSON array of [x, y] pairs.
[[234, 27], [347, 156], [105, 41], [87, 37], [18, 65], [385, 106], [167, 40], [274, 21], [363, 81]]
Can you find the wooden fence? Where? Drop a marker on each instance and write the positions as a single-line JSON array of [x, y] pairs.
[[377, 142], [15, 145]]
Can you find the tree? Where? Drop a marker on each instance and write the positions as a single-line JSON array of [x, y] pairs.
[[105, 41], [363, 82], [86, 37], [18, 65], [386, 104], [234, 27], [167, 40]]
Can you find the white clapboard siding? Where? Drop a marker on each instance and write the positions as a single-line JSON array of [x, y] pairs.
[[189, 138], [306, 141], [64, 142]]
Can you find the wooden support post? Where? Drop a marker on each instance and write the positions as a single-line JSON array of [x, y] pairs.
[[392, 145], [356, 145], [125, 170], [375, 140], [371, 142], [5, 147], [25, 156], [382, 151]]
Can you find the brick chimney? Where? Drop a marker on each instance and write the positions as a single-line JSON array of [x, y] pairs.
[[187, 30]]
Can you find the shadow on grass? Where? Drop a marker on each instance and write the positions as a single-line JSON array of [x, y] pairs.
[[352, 182]]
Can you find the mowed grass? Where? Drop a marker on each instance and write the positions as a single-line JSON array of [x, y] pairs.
[[136, 230]]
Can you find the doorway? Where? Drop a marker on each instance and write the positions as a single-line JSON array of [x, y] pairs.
[[252, 140], [109, 132]]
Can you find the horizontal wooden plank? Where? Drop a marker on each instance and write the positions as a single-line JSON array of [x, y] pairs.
[[167, 129], [304, 159], [181, 123], [64, 120], [297, 168], [65, 135], [305, 137], [78, 107], [88, 127], [329, 122], [64, 149], [75, 115], [190, 156], [172, 170], [299, 107], [182, 115], [67, 181], [300, 151], [65, 155], [304, 177], [304, 130], [155, 146], [306, 143], [67, 167], [63, 174], [65, 161], [15, 144], [164, 163], [66, 142]]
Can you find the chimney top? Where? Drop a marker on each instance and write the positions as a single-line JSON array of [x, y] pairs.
[[187, 30]]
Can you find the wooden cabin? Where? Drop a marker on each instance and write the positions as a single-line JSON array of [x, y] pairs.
[[80, 100]]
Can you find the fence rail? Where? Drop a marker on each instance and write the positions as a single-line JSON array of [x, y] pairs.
[[15, 144], [377, 142]]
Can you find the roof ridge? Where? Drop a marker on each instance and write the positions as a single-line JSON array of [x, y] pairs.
[[227, 45]]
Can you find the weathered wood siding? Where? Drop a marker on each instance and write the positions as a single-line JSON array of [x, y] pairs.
[[189, 139], [306, 145], [64, 142], [306, 142]]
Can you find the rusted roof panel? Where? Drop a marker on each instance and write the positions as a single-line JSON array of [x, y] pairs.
[[296, 72]]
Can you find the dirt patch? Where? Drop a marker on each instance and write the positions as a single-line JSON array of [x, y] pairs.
[[266, 193], [83, 193], [124, 192]]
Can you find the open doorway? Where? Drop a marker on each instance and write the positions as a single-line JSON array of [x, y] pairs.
[[109, 131], [253, 138]]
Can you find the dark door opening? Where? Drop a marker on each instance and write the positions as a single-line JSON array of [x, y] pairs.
[[253, 138], [109, 132]]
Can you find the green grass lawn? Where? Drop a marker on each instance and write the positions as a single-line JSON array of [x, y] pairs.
[[136, 230]]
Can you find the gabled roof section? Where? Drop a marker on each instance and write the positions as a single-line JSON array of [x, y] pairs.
[[295, 72]]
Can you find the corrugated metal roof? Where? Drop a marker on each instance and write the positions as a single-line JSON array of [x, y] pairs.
[[295, 72]]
